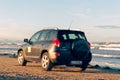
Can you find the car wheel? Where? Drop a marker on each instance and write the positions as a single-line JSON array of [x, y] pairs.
[[21, 59], [45, 62], [86, 62]]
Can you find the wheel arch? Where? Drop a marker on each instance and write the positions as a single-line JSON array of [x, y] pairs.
[[42, 52], [19, 51]]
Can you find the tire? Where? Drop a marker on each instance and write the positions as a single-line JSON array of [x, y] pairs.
[[21, 59], [46, 63], [88, 58], [80, 48], [86, 62]]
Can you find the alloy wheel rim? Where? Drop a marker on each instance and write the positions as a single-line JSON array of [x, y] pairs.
[[45, 61], [20, 58]]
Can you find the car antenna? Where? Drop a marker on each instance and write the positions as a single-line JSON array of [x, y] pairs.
[[70, 25]]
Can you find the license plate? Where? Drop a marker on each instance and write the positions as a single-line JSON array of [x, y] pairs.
[[76, 62]]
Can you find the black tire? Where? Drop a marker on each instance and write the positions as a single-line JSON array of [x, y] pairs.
[[80, 48], [86, 62], [46, 63], [21, 59], [88, 58]]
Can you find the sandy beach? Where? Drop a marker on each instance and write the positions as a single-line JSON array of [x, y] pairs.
[[10, 70]]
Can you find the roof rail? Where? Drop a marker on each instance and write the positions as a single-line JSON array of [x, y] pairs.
[[56, 28]]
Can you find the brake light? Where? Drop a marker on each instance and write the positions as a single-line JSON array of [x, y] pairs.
[[56, 42], [57, 54]]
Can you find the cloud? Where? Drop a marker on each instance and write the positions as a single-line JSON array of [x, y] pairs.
[[108, 27]]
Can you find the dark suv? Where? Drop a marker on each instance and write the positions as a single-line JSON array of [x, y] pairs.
[[54, 47]]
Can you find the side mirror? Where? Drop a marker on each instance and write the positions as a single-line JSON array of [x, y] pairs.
[[26, 40]]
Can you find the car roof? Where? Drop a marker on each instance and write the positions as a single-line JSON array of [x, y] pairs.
[[62, 30]]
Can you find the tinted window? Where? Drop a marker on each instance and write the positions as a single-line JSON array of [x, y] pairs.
[[51, 35], [43, 35], [35, 37], [71, 35], [64, 36]]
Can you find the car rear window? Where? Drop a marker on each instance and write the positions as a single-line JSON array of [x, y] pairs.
[[71, 35]]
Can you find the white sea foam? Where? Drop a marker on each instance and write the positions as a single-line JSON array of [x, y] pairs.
[[107, 55], [8, 48], [109, 48], [106, 46]]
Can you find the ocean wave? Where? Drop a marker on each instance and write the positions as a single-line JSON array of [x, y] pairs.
[[107, 55], [8, 51], [109, 48], [9, 43]]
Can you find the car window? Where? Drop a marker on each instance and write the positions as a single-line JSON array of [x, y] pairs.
[[35, 37], [64, 37], [81, 36], [43, 36], [71, 35], [51, 35]]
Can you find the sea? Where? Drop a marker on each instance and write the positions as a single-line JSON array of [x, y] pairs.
[[9, 48], [103, 54], [106, 54]]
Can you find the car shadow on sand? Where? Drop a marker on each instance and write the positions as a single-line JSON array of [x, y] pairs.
[[88, 70]]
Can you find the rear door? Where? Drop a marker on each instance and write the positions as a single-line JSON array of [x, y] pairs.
[[46, 39], [42, 39], [67, 37]]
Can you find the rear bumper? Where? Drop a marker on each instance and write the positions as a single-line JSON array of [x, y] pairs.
[[64, 59], [65, 56]]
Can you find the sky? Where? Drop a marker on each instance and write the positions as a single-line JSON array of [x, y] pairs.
[[99, 19]]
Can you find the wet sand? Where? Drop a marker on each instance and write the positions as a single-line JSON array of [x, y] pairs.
[[10, 70]]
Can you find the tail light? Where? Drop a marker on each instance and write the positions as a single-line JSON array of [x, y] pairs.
[[56, 42], [57, 54]]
